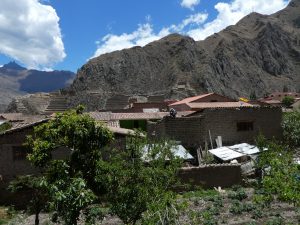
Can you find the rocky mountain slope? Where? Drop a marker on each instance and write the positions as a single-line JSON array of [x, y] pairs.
[[16, 81], [259, 54]]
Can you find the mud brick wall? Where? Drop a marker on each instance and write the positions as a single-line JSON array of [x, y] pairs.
[[214, 175], [188, 130], [194, 131], [10, 167], [223, 122]]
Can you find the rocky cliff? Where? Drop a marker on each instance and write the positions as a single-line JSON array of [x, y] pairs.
[[259, 54]]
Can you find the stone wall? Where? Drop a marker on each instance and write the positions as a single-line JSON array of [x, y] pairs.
[[214, 175]]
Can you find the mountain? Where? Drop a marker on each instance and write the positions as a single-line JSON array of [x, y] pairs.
[[259, 54], [16, 81]]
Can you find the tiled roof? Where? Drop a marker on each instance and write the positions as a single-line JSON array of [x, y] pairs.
[[106, 116], [23, 124], [191, 99], [206, 105]]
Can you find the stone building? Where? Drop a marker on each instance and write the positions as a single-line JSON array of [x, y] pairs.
[[234, 125]]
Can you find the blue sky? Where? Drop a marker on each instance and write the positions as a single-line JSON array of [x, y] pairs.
[[64, 34]]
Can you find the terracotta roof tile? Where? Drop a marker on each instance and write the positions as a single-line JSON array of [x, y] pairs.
[[106, 116], [206, 105], [191, 99]]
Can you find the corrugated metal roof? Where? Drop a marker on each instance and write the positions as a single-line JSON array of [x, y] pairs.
[[225, 153]]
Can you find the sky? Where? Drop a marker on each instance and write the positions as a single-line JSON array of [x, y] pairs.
[[65, 34]]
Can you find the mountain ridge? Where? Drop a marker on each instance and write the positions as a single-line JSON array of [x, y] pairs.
[[260, 54], [16, 81]]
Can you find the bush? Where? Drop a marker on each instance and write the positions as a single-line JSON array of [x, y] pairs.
[[287, 101], [291, 128]]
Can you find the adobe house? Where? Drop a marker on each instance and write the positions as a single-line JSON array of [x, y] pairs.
[[138, 120], [234, 124], [275, 99], [13, 154]]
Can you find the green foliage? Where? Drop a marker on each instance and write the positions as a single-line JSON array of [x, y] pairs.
[[201, 193], [70, 182], [165, 210], [287, 101], [275, 221], [94, 213], [137, 179], [36, 187], [253, 95], [291, 128], [238, 194], [280, 174], [4, 127], [69, 197]]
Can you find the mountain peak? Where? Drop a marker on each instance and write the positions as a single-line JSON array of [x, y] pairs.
[[13, 65]]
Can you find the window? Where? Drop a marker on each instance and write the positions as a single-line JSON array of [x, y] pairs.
[[213, 100], [19, 153], [244, 126]]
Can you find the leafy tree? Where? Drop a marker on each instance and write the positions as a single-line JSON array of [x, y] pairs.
[[291, 128], [36, 187], [5, 126], [138, 178], [281, 173], [133, 181], [71, 184], [287, 101]]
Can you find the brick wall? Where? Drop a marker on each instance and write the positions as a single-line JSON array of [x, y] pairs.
[[214, 175]]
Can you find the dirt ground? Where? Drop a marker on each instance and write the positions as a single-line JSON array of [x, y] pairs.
[[240, 206]]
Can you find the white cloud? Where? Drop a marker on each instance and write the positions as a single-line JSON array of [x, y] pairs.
[[194, 25], [30, 33], [231, 13], [144, 35], [190, 4]]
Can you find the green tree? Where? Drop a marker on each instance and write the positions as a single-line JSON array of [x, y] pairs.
[[133, 180], [280, 173], [287, 101], [36, 188], [291, 128], [71, 184], [138, 178]]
